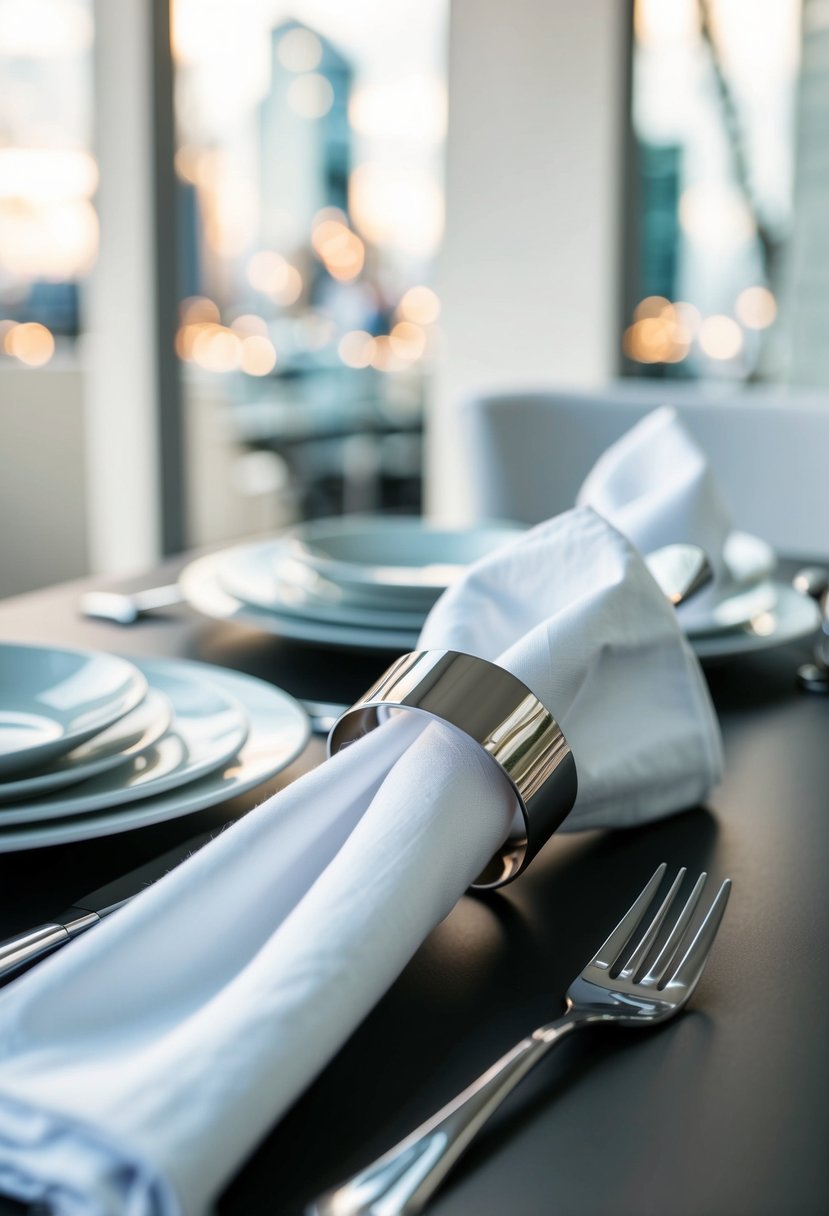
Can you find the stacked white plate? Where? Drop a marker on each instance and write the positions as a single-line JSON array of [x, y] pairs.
[[92, 744], [357, 582], [367, 583]]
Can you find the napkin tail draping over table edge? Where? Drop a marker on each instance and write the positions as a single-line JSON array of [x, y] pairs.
[[142, 1064]]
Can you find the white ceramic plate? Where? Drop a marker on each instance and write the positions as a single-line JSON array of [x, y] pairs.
[[793, 617], [52, 700], [392, 561], [255, 575], [279, 730], [201, 587], [208, 729], [130, 736]]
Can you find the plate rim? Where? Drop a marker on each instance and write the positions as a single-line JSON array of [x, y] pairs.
[[94, 768], [107, 715], [167, 806], [734, 643], [69, 804]]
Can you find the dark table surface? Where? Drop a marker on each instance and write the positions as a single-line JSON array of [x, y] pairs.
[[723, 1112]]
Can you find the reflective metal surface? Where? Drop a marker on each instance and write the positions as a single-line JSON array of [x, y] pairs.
[[123, 608], [680, 571], [620, 985], [813, 581], [500, 713]]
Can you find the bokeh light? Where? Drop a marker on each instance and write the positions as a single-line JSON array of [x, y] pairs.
[[720, 337], [420, 305], [756, 307], [258, 355], [356, 348], [31, 343]]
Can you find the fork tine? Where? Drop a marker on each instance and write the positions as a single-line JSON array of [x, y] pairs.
[[647, 939], [609, 952], [693, 961], [663, 960]]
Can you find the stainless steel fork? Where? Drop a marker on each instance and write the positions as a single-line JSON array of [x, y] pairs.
[[621, 985]]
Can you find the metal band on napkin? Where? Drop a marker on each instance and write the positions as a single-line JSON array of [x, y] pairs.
[[504, 717]]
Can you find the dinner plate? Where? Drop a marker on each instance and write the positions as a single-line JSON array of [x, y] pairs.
[[131, 735], [794, 616], [278, 732], [209, 726], [255, 575], [201, 587], [52, 700], [400, 561]]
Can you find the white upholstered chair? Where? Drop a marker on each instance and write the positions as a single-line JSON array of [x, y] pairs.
[[528, 452]]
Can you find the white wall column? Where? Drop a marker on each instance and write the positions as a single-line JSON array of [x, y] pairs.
[[529, 274], [122, 433]]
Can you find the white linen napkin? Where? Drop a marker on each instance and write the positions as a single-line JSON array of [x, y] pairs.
[[142, 1064], [655, 485]]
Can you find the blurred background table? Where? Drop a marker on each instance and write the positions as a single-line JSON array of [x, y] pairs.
[[725, 1111]]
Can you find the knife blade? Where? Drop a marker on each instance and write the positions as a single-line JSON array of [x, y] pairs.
[[23, 949]]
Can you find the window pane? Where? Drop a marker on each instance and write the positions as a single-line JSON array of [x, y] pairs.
[[48, 226], [713, 109], [310, 142]]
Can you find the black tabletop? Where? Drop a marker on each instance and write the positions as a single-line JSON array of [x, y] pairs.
[[724, 1111]]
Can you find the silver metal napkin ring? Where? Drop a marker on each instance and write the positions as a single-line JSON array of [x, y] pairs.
[[494, 708]]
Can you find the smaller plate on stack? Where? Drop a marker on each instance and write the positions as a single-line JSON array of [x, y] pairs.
[[747, 609], [360, 582], [197, 736]]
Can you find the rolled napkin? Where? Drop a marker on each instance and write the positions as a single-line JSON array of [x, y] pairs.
[[655, 485], [142, 1064]]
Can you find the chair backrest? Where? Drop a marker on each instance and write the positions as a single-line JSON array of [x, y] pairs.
[[528, 452]]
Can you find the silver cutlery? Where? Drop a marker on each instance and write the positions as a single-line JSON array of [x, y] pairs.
[[125, 608], [813, 581], [623, 984], [19, 952]]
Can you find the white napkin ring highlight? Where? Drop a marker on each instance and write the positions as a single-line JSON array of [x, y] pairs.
[[504, 717]]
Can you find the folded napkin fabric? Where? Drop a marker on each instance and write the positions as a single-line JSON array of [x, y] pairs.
[[142, 1064], [655, 485]]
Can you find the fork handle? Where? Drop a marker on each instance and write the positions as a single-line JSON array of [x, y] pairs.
[[402, 1181]]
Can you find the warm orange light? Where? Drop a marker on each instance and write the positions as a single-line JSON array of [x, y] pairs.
[[258, 356], [688, 316], [249, 324], [651, 306], [383, 356], [217, 349], [274, 276], [408, 341], [657, 339], [31, 343], [720, 337], [338, 248], [356, 348], [197, 309], [419, 305], [756, 307]]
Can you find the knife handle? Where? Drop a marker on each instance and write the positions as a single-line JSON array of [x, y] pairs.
[[25, 948]]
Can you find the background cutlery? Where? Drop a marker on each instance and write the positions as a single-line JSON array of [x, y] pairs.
[[813, 581], [122, 608]]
